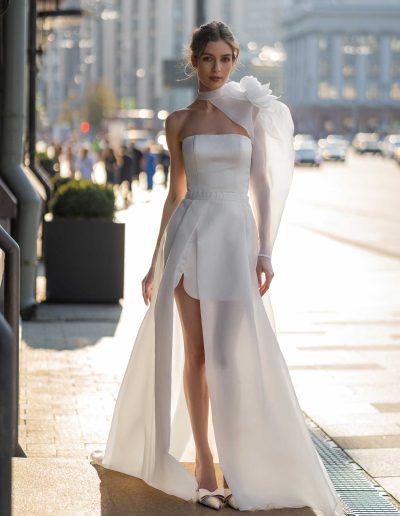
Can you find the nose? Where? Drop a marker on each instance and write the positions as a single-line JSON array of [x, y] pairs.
[[216, 65]]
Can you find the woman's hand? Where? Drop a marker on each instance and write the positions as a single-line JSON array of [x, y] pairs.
[[147, 285], [264, 266]]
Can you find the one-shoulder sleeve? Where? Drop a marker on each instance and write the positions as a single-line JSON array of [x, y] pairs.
[[270, 126]]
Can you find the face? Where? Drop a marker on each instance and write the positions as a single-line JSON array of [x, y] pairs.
[[214, 65]]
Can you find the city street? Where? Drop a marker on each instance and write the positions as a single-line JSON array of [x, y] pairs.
[[336, 300]]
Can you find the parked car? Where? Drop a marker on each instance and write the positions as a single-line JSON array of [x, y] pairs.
[[367, 143], [338, 139], [389, 144], [396, 155], [306, 153], [298, 138], [333, 149]]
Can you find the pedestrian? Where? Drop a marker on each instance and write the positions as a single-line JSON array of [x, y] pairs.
[[71, 160], [125, 173], [137, 157], [207, 336], [85, 164], [110, 164], [165, 161], [150, 162]]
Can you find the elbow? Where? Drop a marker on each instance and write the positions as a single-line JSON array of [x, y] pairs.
[[174, 198]]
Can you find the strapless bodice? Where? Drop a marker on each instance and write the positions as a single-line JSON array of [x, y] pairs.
[[217, 162]]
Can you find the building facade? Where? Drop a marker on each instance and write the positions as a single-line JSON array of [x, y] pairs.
[[342, 72], [136, 47]]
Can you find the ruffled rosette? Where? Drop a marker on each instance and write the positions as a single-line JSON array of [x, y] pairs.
[[250, 88]]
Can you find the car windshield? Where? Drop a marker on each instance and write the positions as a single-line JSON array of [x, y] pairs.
[[306, 152]]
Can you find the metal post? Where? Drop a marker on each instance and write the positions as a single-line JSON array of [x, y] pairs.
[[31, 108], [25, 228], [200, 13], [9, 369], [7, 413], [32, 82], [11, 312]]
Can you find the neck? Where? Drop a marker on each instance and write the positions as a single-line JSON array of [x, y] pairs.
[[210, 94]]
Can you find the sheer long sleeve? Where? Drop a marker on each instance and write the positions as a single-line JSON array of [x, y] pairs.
[[271, 170], [260, 190]]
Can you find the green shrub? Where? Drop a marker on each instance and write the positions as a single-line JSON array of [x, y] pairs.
[[83, 199], [58, 181]]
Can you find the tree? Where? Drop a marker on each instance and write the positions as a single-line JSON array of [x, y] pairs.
[[99, 100]]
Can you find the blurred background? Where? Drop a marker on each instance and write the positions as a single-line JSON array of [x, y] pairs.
[[335, 62]]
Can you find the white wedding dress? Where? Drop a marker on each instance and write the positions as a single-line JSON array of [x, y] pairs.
[[213, 237]]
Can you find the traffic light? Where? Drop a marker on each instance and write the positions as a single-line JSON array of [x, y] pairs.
[[85, 127]]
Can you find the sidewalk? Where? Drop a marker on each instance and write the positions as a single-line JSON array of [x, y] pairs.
[[339, 332]]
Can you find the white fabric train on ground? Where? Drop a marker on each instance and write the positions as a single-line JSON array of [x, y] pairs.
[[213, 238]]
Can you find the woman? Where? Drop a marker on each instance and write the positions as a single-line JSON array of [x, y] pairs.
[[207, 335]]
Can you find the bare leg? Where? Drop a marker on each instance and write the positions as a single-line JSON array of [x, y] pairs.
[[195, 384]]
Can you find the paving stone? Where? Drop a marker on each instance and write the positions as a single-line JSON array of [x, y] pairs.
[[43, 488], [369, 441], [391, 485], [378, 462], [387, 407], [356, 428]]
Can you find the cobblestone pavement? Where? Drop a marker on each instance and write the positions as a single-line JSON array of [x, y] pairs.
[[336, 301]]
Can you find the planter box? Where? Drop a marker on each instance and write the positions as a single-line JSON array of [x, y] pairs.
[[84, 260]]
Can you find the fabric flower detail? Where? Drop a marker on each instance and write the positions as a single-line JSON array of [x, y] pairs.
[[258, 94], [250, 88]]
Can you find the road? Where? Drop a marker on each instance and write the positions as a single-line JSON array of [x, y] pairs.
[[358, 202]]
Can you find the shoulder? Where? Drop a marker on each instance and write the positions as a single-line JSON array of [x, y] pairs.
[[175, 120]]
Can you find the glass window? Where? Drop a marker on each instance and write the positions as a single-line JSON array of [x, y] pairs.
[[373, 50], [326, 91], [349, 50], [395, 91], [395, 68], [349, 91], [372, 91]]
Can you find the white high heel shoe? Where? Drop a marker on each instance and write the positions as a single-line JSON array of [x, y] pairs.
[[214, 499], [230, 499]]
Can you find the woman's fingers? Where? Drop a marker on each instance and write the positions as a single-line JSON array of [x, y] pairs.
[[259, 275], [264, 286], [147, 288]]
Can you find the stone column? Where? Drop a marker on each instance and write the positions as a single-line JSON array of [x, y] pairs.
[[312, 67], [385, 65], [337, 65]]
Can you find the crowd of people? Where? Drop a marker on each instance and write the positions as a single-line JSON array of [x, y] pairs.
[[121, 165]]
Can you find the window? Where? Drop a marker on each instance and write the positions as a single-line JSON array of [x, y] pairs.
[[349, 91]]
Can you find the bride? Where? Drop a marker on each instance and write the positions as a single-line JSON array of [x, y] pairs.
[[208, 335]]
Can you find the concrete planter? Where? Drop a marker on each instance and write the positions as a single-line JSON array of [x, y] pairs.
[[84, 260]]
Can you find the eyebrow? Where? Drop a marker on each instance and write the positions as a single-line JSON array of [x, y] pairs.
[[209, 54]]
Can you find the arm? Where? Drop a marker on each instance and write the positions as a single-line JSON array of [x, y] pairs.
[[176, 192]]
